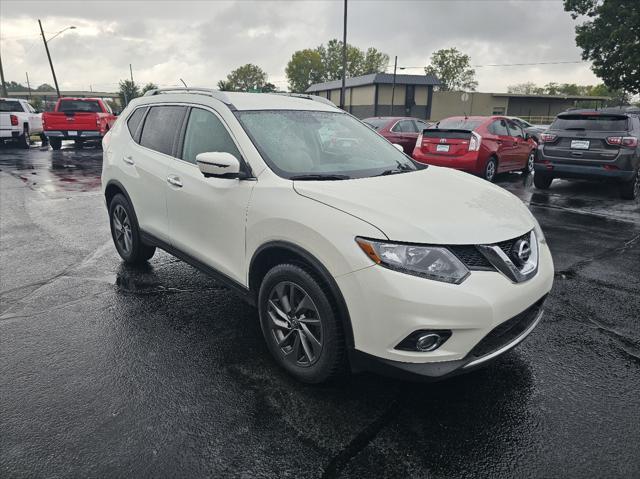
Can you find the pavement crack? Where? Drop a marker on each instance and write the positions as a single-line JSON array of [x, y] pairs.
[[362, 439]]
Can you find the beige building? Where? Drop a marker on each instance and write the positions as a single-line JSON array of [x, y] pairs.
[[376, 95]]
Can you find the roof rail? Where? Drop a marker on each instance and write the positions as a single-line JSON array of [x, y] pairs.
[[217, 94], [306, 96]]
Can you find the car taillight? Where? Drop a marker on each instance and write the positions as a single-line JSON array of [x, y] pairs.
[[548, 137], [474, 142], [98, 122], [626, 141], [14, 120]]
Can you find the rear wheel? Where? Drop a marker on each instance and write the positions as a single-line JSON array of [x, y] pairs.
[[24, 140], [490, 169], [56, 143], [630, 190], [531, 159], [299, 324], [125, 232], [542, 181]]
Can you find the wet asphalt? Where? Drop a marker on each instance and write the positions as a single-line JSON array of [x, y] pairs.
[[113, 371]]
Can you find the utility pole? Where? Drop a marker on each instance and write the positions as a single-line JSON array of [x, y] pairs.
[[28, 84], [344, 58], [393, 87], [131, 73], [4, 85], [46, 47]]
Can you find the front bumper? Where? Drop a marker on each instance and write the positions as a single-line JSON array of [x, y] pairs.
[[79, 135], [387, 306]]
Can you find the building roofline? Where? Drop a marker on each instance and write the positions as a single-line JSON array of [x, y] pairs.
[[376, 78], [562, 97]]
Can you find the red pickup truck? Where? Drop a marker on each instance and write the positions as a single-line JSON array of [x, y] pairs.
[[79, 119]]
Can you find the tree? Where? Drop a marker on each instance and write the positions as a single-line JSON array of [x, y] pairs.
[[374, 61], [149, 86], [528, 88], [304, 69], [610, 39], [45, 87], [245, 78], [15, 86], [128, 91], [453, 69], [268, 88], [358, 61]]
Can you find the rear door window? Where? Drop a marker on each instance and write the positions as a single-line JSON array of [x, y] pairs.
[[515, 130], [161, 128], [590, 123], [499, 128], [205, 133]]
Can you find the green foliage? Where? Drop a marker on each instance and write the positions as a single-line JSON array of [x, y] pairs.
[[610, 38], [128, 91], [248, 77], [453, 69], [45, 87], [528, 88], [37, 103], [148, 86], [324, 63], [15, 86]]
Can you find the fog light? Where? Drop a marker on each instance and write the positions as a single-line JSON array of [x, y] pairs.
[[428, 342], [424, 340]]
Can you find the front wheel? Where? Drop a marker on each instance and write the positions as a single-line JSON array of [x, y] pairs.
[[542, 181], [630, 190], [125, 232], [299, 324], [490, 170]]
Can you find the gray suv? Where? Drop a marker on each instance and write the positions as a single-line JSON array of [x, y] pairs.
[[594, 145]]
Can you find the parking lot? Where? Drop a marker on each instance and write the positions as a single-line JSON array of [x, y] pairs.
[[109, 370]]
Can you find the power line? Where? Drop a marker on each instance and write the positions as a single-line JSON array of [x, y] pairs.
[[507, 64]]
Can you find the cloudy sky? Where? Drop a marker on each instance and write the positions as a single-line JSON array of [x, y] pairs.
[[202, 41]]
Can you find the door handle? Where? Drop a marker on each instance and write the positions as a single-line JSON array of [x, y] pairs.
[[174, 181], [128, 160]]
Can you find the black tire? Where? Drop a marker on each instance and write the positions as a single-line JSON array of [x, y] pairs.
[[542, 181], [315, 326], [531, 159], [79, 144], [630, 190], [56, 143], [44, 139], [125, 232], [490, 170], [24, 140]]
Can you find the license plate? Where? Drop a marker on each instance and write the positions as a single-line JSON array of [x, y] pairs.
[[442, 148], [72, 133], [580, 144]]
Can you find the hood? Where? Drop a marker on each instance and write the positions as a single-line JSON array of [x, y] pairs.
[[434, 206]]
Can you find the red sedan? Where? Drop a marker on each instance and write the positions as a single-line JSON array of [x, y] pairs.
[[400, 130], [480, 145]]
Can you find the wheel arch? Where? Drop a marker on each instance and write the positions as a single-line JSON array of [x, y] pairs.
[[276, 252]]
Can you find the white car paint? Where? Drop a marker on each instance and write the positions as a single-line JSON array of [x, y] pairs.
[[223, 222], [27, 117]]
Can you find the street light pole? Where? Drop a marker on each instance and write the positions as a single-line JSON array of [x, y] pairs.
[[344, 58], [393, 87], [46, 47], [4, 85]]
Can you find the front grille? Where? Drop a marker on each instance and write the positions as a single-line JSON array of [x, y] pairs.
[[475, 260], [506, 332]]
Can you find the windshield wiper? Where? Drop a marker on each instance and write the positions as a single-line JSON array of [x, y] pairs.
[[315, 177], [402, 168]]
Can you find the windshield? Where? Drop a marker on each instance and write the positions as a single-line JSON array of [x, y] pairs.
[[457, 124], [80, 106], [590, 122], [375, 123], [10, 106], [296, 143]]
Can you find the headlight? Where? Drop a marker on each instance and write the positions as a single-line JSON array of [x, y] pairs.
[[430, 262], [538, 231]]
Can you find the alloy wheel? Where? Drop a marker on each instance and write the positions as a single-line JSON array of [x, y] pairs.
[[122, 229], [530, 161], [295, 324], [490, 170]]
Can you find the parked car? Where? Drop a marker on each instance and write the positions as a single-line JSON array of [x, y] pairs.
[[480, 145], [533, 130], [18, 121], [78, 119], [399, 130], [590, 144], [339, 245]]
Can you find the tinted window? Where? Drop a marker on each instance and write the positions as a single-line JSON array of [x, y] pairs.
[[499, 127], [593, 123], [421, 125], [205, 132], [375, 123], [134, 121], [13, 106], [515, 130], [405, 126], [80, 106], [161, 128], [458, 124]]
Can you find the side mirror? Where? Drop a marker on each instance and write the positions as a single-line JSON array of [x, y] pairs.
[[398, 147], [218, 164]]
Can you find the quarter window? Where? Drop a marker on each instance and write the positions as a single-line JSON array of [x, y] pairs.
[[134, 121], [161, 128], [205, 132]]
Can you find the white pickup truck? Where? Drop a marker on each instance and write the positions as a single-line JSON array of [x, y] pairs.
[[18, 120]]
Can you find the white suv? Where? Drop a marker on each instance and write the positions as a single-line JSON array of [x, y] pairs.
[[355, 255]]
